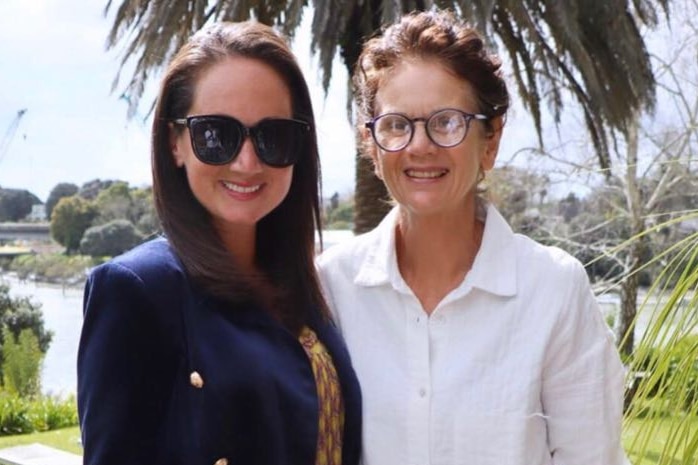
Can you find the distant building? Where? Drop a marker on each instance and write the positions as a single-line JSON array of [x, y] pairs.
[[38, 213]]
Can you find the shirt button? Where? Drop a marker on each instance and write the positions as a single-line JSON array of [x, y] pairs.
[[221, 462], [197, 381], [422, 392]]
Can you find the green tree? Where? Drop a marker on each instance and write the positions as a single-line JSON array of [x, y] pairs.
[[21, 365], [91, 189], [15, 204], [60, 190], [340, 217], [110, 239], [591, 50], [115, 202], [70, 219], [17, 314], [146, 221]]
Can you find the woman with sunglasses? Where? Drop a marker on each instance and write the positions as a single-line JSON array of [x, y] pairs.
[[472, 344], [212, 345]]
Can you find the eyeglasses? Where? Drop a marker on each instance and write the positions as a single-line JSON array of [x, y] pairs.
[[446, 128], [217, 140]]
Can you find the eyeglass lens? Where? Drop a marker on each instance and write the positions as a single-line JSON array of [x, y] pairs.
[[217, 140], [446, 128]]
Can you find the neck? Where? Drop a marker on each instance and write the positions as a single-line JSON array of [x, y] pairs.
[[241, 244], [434, 253]]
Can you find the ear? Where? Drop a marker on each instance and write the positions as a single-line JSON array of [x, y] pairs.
[[175, 140], [492, 140]]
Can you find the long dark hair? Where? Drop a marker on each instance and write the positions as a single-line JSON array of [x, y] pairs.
[[288, 286]]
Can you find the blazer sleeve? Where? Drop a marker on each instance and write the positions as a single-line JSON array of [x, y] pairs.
[[126, 369]]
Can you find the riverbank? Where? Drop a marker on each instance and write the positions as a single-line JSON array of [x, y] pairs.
[[62, 310]]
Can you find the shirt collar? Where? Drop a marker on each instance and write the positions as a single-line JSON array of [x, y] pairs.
[[380, 265], [494, 269]]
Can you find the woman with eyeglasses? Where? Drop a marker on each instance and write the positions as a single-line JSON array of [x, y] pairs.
[[213, 344], [472, 344]]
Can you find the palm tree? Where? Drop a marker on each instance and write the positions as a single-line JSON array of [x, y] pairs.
[[662, 419], [589, 49]]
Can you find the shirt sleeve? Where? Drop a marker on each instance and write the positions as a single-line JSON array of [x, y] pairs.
[[125, 370], [323, 272], [583, 383]]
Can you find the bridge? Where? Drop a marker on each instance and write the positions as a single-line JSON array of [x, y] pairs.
[[29, 232]]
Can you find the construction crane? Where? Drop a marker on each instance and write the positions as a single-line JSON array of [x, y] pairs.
[[9, 134]]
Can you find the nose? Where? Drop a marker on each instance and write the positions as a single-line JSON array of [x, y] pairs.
[[420, 143], [247, 160]]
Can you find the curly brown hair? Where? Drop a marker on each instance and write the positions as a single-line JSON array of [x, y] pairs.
[[432, 35]]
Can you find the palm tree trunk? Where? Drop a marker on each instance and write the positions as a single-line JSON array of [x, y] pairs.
[[628, 294], [371, 199]]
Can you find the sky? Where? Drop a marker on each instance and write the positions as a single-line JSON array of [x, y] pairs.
[[54, 64]]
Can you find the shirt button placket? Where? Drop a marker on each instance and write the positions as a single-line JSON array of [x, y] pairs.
[[420, 388]]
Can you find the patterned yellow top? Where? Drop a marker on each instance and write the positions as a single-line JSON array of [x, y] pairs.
[[331, 417]]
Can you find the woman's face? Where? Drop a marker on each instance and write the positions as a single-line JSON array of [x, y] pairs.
[[242, 192], [424, 178]]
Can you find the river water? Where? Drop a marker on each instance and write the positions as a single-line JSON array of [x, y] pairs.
[[62, 309]]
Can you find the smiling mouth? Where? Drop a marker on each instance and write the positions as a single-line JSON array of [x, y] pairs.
[[241, 189], [426, 174]]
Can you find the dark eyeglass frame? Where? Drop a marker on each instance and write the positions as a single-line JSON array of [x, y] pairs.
[[253, 132], [411, 121]]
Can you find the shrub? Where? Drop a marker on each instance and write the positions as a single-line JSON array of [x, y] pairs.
[[21, 367], [14, 415], [21, 416], [110, 239], [55, 268], [18, 314]]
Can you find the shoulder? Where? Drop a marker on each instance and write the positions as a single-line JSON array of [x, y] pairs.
[[153, 265], [547, 261], [347, 257]]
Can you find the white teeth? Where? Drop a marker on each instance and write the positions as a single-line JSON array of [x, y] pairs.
[[425, 174], [241, 189]]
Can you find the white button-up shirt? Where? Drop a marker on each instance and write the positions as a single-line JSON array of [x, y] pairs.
[[515, 366]]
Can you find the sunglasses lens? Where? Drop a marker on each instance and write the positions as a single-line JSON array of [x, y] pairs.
[[279, 142], [216, 140]]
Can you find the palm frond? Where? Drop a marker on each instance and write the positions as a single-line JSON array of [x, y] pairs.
[[663, 373]]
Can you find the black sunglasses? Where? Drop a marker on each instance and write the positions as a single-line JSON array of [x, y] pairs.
[[217, 139]]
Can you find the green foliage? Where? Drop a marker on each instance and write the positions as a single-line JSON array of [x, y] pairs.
[[147, 221], [341, 217], [91, 189], [15, 204], [114, 202], [110, 239], [18, 314], [120, 202], [53, 268], [21, 367], [63, 189], [22, 415], [666, 358], [14, 415], [70, 219]]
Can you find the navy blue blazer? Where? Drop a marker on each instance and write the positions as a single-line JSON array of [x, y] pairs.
[[167, 375]]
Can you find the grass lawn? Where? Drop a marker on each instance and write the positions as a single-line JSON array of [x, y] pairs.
[[67, 439], [657, 435]]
